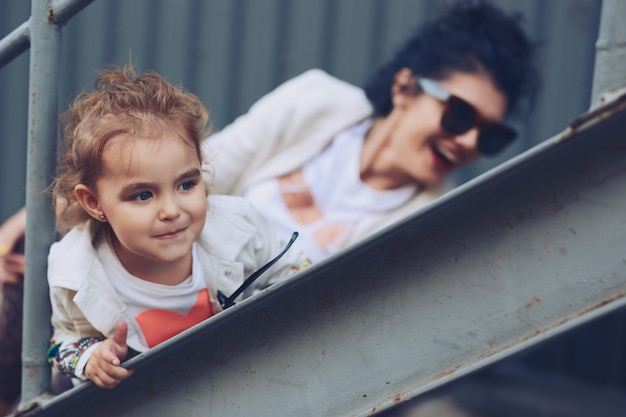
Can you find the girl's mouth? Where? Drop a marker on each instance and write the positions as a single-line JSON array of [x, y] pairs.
[[169, 235]]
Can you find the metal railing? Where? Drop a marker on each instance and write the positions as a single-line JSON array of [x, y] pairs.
[[42, 33]]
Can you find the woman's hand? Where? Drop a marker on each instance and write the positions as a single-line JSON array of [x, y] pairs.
[[11, 263], [103, 367]]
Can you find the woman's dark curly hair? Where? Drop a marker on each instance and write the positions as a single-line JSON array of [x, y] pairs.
[[470, 36]]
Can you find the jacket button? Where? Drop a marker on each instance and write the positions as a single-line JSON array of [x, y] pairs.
[[227, 272]]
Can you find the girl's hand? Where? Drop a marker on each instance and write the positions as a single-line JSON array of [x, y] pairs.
[[103, 367]]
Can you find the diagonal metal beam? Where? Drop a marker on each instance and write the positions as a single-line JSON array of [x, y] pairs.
[[520, 254], [13, 44]]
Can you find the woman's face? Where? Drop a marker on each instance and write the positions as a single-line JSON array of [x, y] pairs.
[[416, 148]]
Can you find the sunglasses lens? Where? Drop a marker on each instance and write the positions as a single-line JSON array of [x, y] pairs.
[[494, 138], [458, 117]]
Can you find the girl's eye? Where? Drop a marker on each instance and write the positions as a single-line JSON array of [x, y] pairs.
[[142, 196], [186, 186]]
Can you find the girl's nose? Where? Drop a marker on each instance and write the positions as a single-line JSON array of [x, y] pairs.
[[169, 209]]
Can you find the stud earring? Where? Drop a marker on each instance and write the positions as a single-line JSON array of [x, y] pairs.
[[103, 218]]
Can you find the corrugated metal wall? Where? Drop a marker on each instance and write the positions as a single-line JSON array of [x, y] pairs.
[[231, 52]]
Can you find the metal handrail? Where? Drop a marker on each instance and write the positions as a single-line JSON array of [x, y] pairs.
[[16, 42], [43, 34], [59, 12]]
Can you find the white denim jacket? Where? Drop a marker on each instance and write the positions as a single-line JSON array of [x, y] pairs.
[[235, 242]]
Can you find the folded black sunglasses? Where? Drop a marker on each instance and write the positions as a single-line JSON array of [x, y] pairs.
[[226, 302]]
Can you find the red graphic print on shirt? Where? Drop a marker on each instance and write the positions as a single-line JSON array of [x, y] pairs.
[[159, 325]]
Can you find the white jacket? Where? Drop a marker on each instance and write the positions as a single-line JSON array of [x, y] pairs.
[[285, 129], [236, 241]]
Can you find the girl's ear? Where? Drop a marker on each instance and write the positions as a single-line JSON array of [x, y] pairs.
[[403, 87], [88, 200]]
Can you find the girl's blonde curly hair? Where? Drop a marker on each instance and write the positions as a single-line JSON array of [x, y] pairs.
[[123, 104]]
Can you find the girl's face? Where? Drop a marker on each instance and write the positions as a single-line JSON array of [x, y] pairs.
[[417, 149], [153, 195]]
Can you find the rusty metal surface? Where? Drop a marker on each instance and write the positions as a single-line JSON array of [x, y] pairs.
[[63, 10], [520, 254], [18, 41]]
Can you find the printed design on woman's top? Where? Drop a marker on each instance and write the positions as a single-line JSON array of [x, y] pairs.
[[301, 204]]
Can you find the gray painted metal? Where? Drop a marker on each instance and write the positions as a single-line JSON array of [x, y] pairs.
[[14, 43], [610, 67], [43, 95], [518, 255], [45, 58], [61, 11], [58, 13]]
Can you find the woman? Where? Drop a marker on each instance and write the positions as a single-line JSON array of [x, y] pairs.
[[338, 163]]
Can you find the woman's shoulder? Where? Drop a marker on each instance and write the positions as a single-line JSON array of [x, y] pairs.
[[315, 79]]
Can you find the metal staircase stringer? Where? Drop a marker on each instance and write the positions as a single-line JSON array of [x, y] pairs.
[[526, 251]]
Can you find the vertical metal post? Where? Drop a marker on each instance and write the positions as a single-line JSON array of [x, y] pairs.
[[610, 66], [45, 52]]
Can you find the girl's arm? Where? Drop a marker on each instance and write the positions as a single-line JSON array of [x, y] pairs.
[[73, 338], [80, 351], [70, 357]]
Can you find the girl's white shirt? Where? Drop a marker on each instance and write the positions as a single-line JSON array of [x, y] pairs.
[[139, 295]]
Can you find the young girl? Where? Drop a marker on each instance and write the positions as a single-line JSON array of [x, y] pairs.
[[146, 250]]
